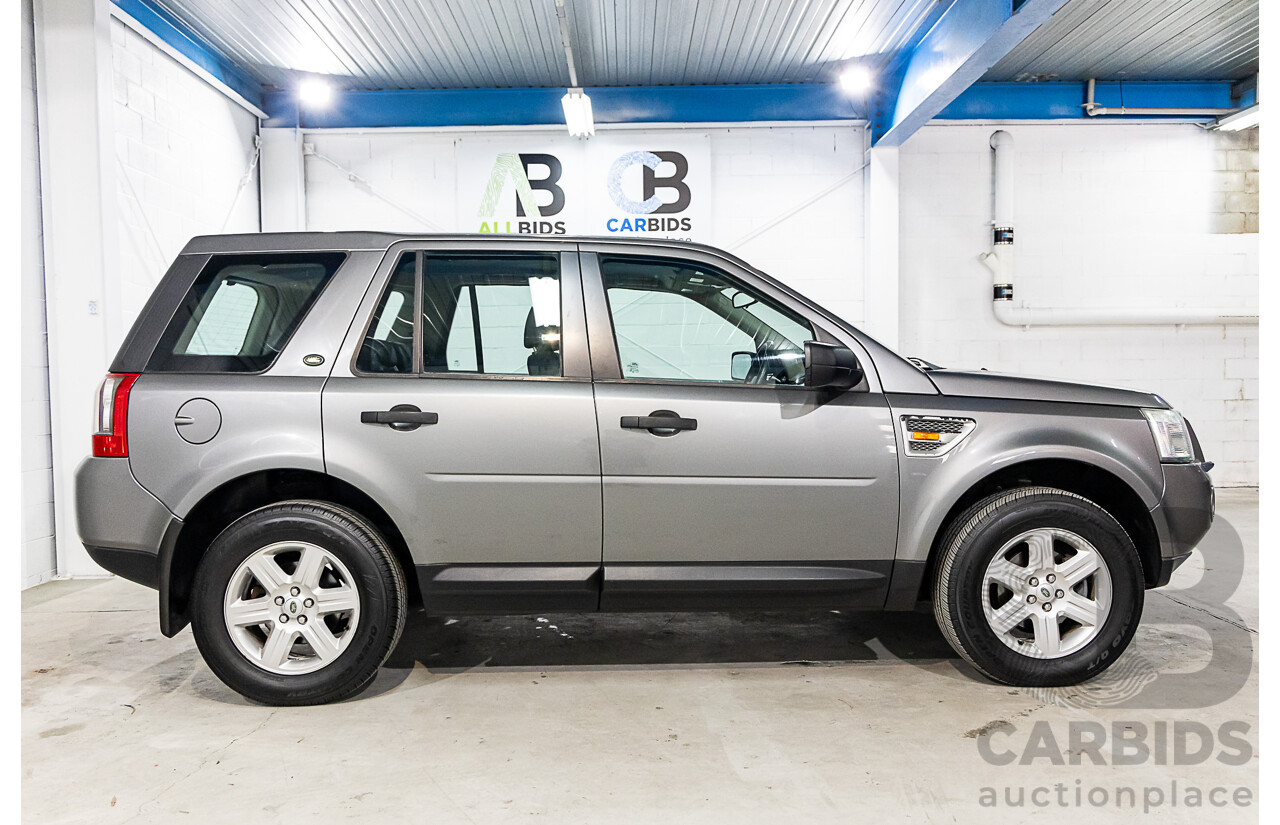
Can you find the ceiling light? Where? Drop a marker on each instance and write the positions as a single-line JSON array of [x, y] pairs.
[[577, 113], [314, 93], [856, 80], [1242, 119]]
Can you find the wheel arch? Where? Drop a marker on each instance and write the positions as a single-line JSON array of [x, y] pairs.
[[183, 547], [1091, 481]]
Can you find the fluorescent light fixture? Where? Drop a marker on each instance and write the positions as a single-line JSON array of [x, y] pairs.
[[856, 80], [314, 93], [1242, 119], [577, 113]]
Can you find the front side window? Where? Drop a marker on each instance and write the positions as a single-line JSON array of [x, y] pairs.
[[241, 311], [487, 314], [677, 321]]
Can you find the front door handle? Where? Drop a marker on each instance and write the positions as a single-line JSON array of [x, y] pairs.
[[403, 417], [659, 422]]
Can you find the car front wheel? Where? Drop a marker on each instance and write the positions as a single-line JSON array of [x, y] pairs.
[[1038, 587], [298, 603]]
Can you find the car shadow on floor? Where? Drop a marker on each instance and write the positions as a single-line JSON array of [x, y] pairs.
[[661, 640]]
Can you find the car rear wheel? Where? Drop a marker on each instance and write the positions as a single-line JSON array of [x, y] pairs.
[[298, 603], [1038, 587]]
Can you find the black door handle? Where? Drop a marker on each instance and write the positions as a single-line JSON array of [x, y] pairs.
[[658, 421], [403, 417]]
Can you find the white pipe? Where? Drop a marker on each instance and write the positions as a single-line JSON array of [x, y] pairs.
[[1092, 109], [1000, 261]]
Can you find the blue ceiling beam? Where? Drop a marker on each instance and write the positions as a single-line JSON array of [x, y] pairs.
[[1056, 100], [969, 38], [1062, 100], [175, 34], [527, 107]]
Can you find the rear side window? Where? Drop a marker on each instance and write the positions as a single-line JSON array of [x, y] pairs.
[[389, 345], [242, 310], [481, 313]]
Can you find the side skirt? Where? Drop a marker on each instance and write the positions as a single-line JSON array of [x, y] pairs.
[[860, 585], [482, 589]]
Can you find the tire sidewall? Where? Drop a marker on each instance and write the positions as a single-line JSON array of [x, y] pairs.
[[245, 537], [993, 532]]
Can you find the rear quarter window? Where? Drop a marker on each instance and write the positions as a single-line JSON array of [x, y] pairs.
[[242, 310]]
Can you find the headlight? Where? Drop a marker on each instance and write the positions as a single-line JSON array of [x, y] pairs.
[[1170, 432]]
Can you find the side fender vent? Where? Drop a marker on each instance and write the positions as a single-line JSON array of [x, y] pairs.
[[927, 436]]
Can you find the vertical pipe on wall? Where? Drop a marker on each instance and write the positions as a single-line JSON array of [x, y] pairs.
[[1000, 260]]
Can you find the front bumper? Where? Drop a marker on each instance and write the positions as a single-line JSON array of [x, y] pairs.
[[121, 524], [1183, 516]]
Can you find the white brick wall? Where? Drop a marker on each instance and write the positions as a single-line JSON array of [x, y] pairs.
[[38, 559], [757, 174], [1105, 214], [181, 148]]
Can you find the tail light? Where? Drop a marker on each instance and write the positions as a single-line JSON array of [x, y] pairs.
[[111, 438]]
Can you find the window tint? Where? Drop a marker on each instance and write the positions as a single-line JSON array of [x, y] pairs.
[[241, 311], [680, 322], [495, 314], [388, 347]]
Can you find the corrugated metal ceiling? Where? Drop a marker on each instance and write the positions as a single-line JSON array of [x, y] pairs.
[[457, 44], [1139, 40]]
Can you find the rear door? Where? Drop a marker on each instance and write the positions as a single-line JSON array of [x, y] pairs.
[[462, 404], [762, 491]]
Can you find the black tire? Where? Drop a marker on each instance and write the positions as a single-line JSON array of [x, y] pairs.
[[377, 578], [971, 542]]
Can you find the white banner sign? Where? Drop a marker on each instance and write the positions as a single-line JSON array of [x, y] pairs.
[[613, 184]]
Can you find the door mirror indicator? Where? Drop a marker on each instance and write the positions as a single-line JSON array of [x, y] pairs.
[[740, 365], [830, 367]]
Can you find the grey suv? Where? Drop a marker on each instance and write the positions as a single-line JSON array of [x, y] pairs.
[[304, 435]]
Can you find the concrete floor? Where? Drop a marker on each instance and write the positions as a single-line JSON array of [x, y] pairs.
[[615, 718]]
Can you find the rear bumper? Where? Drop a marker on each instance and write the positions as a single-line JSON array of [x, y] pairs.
[[1183, 516], [121, 524]]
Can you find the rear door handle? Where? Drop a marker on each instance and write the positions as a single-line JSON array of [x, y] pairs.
[[403, 417], [659, 420]]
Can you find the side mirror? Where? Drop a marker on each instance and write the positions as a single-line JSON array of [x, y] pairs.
[[740, 365], [830, 367]]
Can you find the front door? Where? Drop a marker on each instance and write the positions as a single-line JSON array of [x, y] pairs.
[[727, 481], [463, 405]]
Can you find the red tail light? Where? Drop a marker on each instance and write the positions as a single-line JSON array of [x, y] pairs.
[[111, 438]]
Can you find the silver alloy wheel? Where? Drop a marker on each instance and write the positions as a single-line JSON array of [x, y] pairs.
[[291, 607], [1047, 593]]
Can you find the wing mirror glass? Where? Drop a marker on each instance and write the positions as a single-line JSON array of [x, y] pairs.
[[740, 365], [830, 366]]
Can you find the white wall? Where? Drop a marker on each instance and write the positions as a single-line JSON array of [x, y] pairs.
[[758, 173], [1106, 214], [38, 553], [138, 153], [182, 149]]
